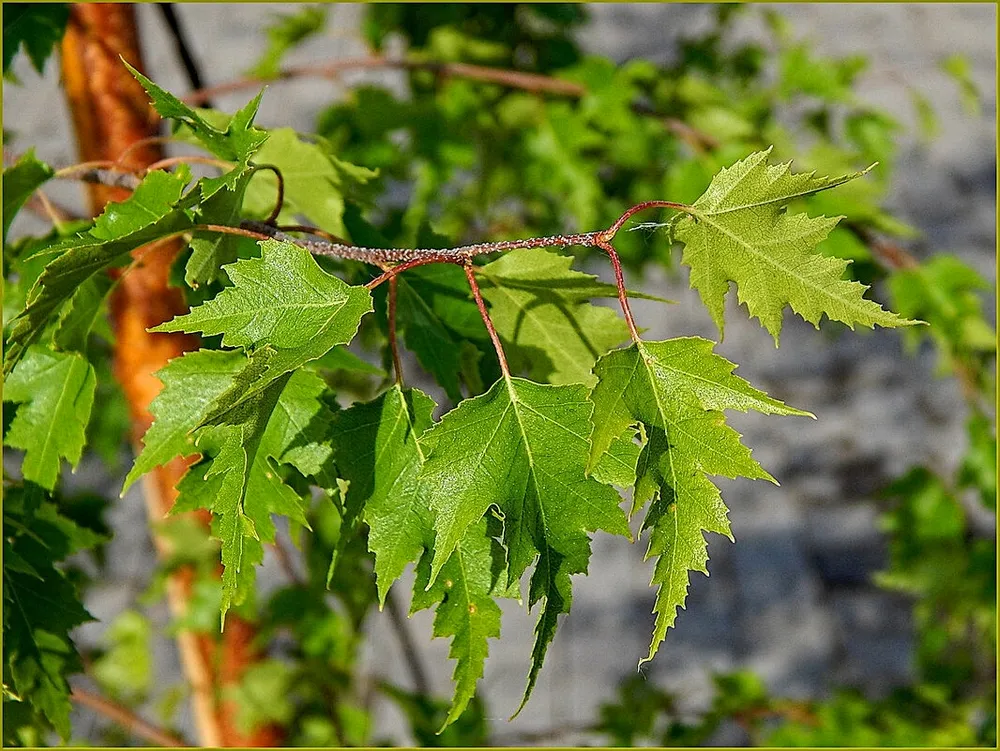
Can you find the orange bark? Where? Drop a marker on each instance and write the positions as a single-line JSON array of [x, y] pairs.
[[110, 114]]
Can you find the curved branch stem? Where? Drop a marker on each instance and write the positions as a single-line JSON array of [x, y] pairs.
[[128, 719], [279, 202], [510, 78]]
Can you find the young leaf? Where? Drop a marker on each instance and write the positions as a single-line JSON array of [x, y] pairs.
[[465, 609], [540, 308], [376, 450], [737, 232], [20, 181], [676, 390], [523, 448], [149, 213], [56, 392], [237, 142], [285, 306]]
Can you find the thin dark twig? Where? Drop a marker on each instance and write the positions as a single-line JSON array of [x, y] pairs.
[[183, 48], [481, 304], [397, 364], [410, 651], [279, 202], [889, 253], [128, 719], [513, 79]]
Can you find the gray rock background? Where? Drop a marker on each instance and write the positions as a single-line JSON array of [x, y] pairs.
[[792, 599]]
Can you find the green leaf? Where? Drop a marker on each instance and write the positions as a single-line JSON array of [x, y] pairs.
[[190, 384], [284, 305], [958, 67], [465, 609], [927, 119], [436, 315], [221, 204], [376, 450], [737, 232], [149, 213], [237, 142], [285, 32], [676, 390], [39, 27], [617, 465], [26, 175], [540, 308], [56, 392], [947, 294], [315, 181], [264, 695], [240, 483], [125, 670], [82, 313], [40, 604], [521, 447], [238, 479]]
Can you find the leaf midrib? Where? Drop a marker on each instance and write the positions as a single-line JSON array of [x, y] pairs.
[[768, 260]]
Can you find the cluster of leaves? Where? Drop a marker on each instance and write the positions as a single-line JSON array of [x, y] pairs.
[[509, 480], [510, 483]]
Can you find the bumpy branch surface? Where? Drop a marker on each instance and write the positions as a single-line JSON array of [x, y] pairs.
[[461, 254]]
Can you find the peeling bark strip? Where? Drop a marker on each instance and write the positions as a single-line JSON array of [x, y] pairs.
[[111, 114]]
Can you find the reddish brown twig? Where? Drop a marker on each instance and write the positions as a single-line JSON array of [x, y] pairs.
[[512, 79], [508, 78], [390, 273], [481, 304], [397, 364], [622, 293], [143, 143], [279, 201], [171, 161], [127, 719]]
